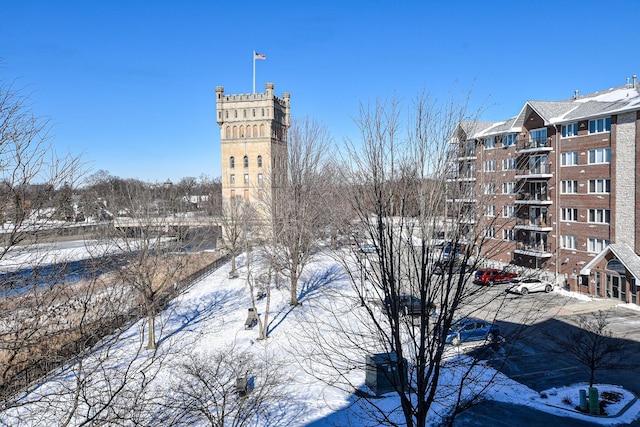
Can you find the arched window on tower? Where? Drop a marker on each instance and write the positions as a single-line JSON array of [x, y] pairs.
[[261, 130], [235, 132], [248, 131], [255, 130], [246, 161], [228, 132], [259, 161], [241, 131], [232, 162]]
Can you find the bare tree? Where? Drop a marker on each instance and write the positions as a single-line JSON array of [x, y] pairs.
[[298, 219], [160, 247], [405, 205], [593, 345], [228, 388]]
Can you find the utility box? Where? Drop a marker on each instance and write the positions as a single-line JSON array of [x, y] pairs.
[[594, 404], [382, 374]]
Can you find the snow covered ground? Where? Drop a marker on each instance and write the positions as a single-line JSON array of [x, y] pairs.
[[207, 322]]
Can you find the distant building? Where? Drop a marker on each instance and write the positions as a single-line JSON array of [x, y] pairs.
[[557, 187], [253, 139]]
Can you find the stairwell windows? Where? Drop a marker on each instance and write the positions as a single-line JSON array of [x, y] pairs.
[[568, 242], [508, 187], [490, 166], [600, 186], [569, 214], [569, 158], [596, 245], [600, 125], [260, 178], [569, 186], [509, 163], [246, 178], [259, 161], [600, 155], [232, 162], [246, 161], [232, 179], [490, 188], [509, 211], [570, 130], [508, 234], [600, 216]]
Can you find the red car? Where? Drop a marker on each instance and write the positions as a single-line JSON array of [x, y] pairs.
[[490, 276]]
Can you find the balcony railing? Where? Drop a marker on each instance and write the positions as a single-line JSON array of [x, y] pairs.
[[540, 221], [527, 144], [538, 170], [540, 247], [541, 196]]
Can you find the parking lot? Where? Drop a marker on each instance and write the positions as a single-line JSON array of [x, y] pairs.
[[532, 358]]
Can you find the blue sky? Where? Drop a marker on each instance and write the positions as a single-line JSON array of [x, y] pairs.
[[130, 84]]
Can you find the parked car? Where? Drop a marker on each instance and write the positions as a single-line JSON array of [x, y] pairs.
[[407, 305], [470, 329], [523, 286], [491, 276], [440, 267]]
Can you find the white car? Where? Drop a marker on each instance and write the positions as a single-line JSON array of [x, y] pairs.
[[524, 285]]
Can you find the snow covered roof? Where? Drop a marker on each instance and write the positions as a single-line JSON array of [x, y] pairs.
[[623, 253], [611, 101]]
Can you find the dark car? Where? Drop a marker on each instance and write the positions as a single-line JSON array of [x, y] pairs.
[[407, 305], [491, 276], [440, 267], [470, 329]]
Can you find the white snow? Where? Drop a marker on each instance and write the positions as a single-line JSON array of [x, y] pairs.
[[209, 318]]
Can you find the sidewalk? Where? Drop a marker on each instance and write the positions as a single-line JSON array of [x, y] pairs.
[[586, 307]]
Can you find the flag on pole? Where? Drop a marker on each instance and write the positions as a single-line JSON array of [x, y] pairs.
[[257, 55]]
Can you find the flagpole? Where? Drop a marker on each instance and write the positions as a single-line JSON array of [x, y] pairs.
[[254, 71]]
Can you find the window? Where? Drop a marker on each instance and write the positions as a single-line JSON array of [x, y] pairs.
[[232, 179], [490, 166], [232, 162], [246, 161], [569, 187], [596, 245], [508, 234], [600, 125], [538, 136], [509, 164], [508, 187], [509, 211], [570, 130], [259, 161], [509, 140], [260, 179], [600, 216], [568, 242], [490, 188], [490, 142], [491, 210], [569, 214], [490, 232], [600, 185], [600, 155], [569, 158]]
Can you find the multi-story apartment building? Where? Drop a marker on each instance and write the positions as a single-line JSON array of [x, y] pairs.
[[253, 139], [557, 186]]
